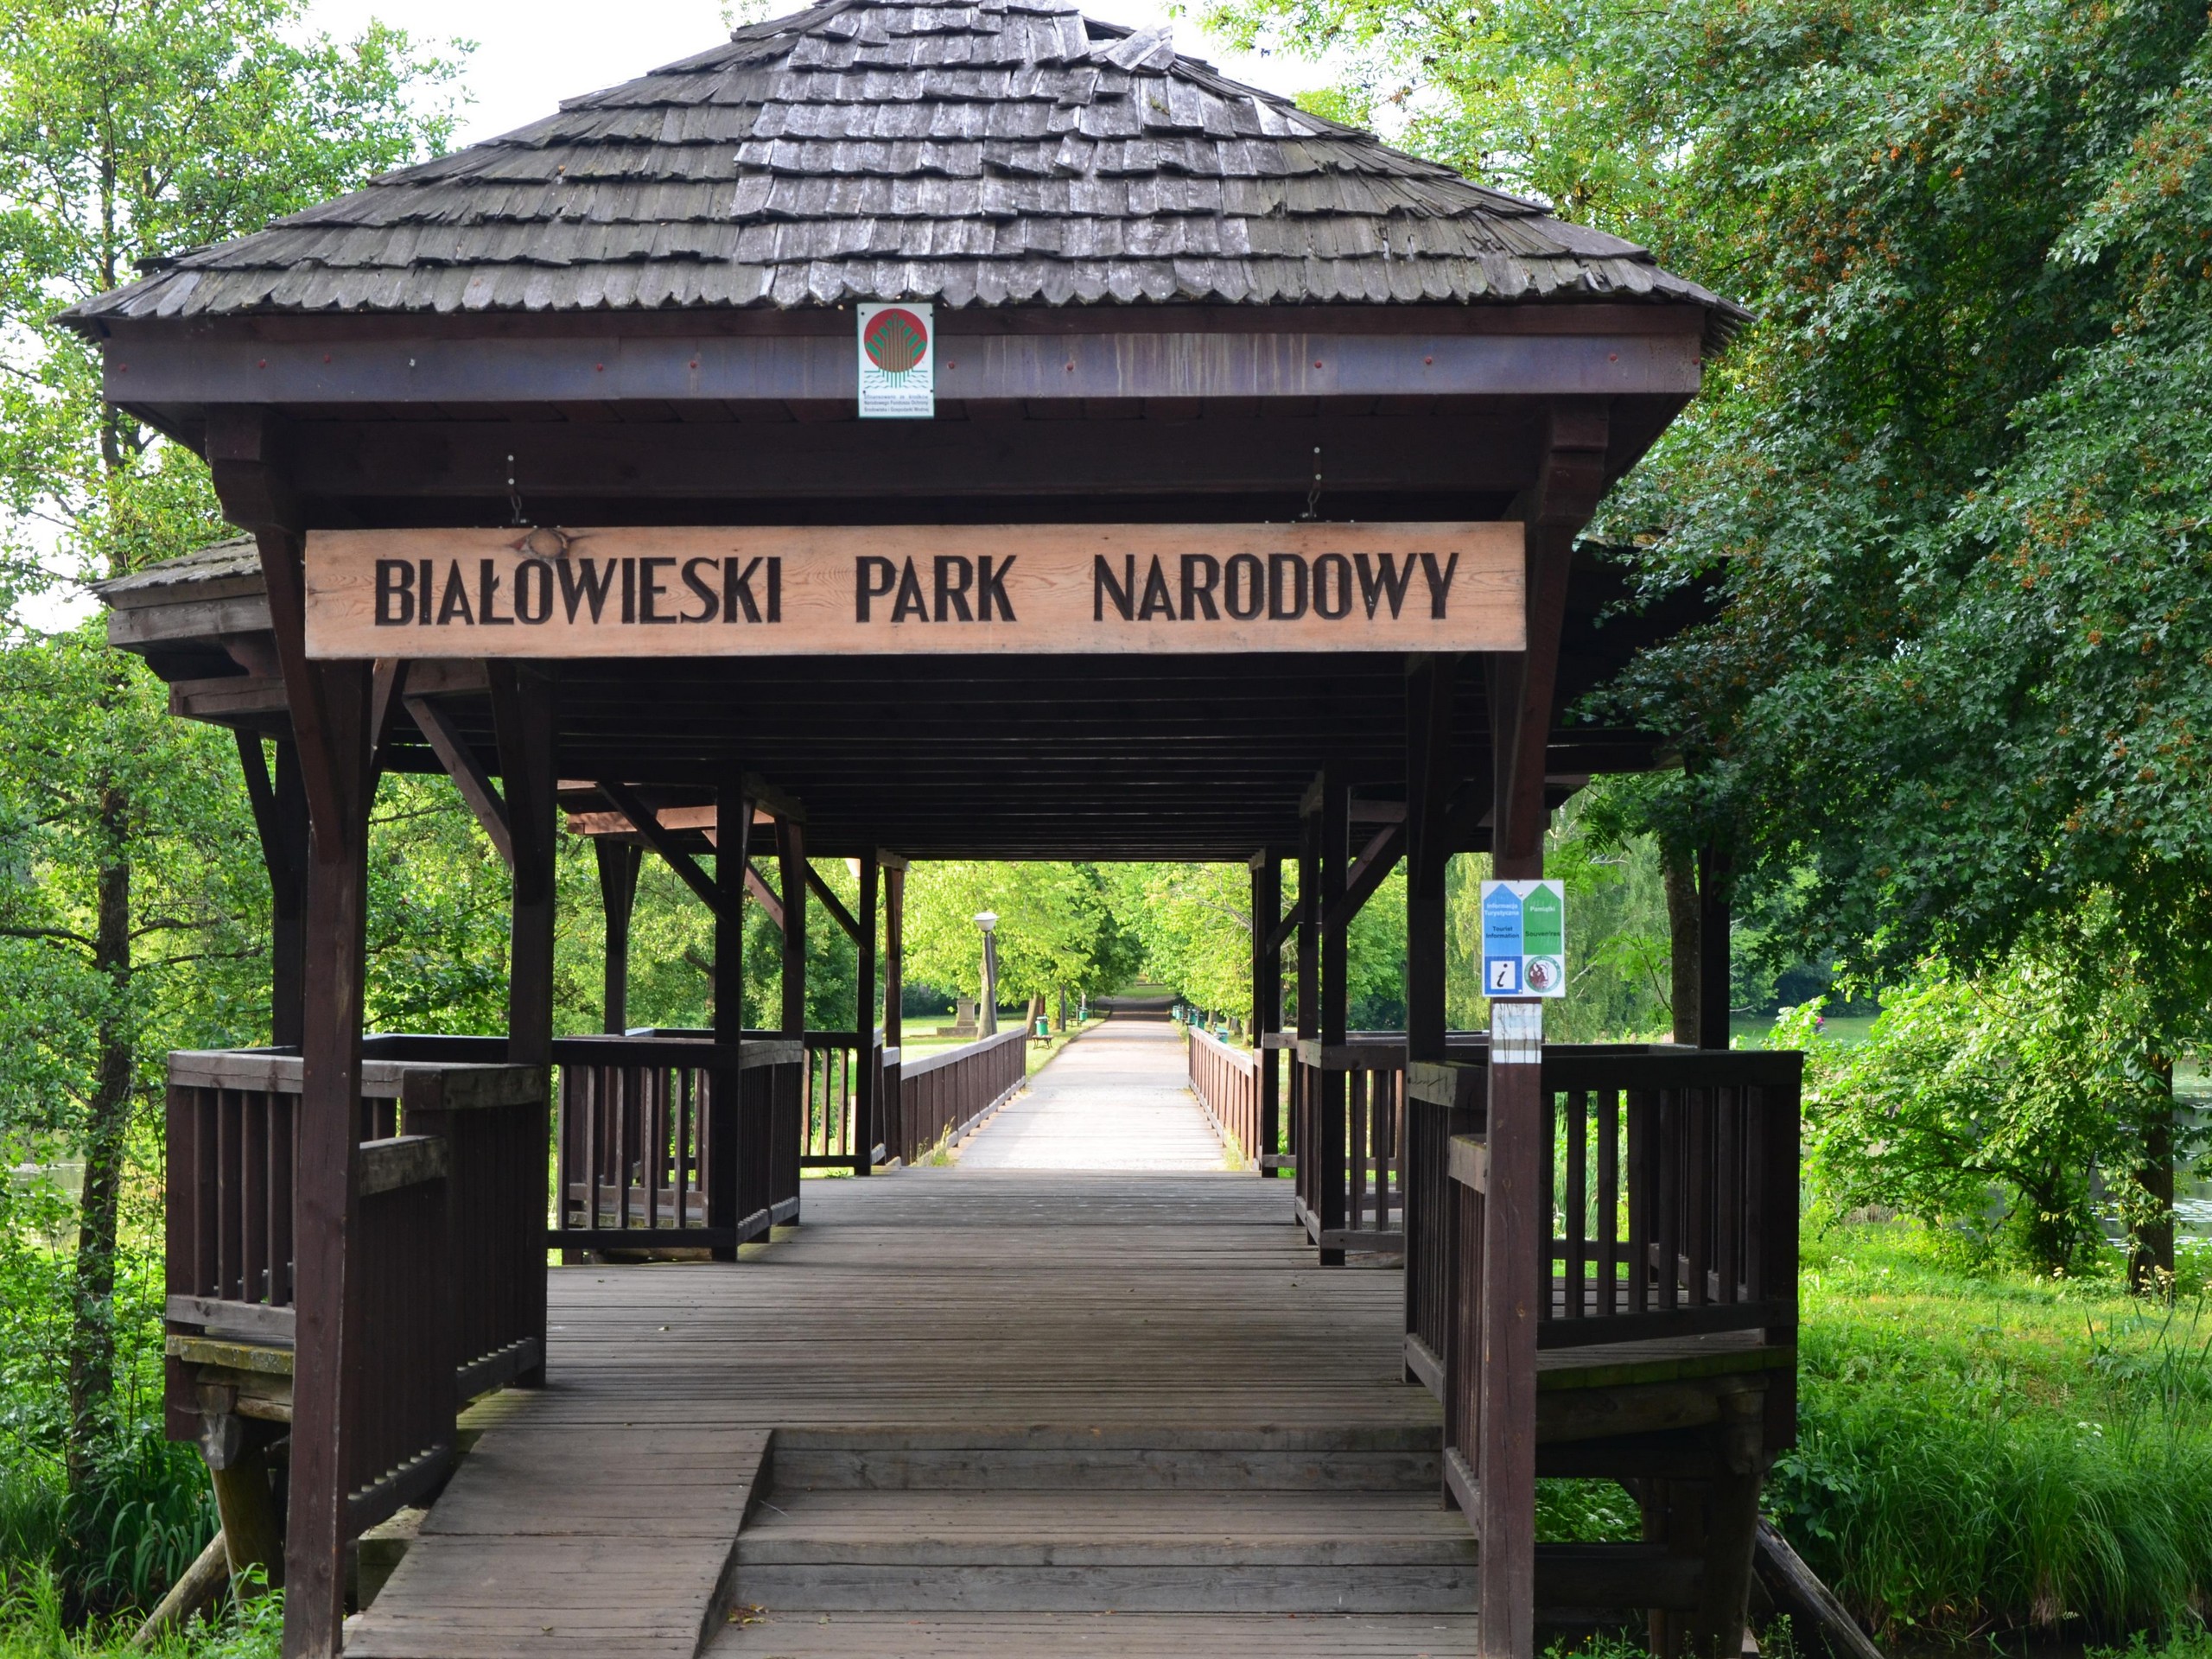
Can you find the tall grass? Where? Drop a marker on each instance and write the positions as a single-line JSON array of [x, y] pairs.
[[145, 1514], [1982, 1451], [34, 1624], [1922, 1509]]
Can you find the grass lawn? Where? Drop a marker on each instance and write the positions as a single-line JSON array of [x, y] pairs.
[[1984, 1453]]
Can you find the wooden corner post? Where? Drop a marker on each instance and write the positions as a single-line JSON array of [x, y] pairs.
[[1516, 1220], [331, 718]]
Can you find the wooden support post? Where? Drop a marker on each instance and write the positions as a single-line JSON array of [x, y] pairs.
[[330, 710], [239, 1469], [522, 712], [324, 1206], [619, 864], [1516, 1214], [1428, 791], [868, 1126], [1335, 822], [280, 817], [1267, 999], [1678, 874], [1714, 882], [1309, 927], [1732, 1526], [791, 863], [895, 946], [734, 818], [523, 716]]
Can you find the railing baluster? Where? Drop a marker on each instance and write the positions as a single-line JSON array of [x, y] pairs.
[[1608, 1249], [1574, 1210], [1668, 1195]]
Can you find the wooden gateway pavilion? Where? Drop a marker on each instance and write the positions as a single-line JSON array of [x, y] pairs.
[[1240, 524]]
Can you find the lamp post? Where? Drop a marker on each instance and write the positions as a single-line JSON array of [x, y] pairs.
[[988, 921]]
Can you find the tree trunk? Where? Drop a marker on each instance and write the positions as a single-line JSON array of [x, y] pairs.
[[2151, 1257], [1679, 871], [91, 1333]]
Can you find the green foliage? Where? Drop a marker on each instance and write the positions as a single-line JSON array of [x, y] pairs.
[[1954, 480], [133, 914], [1058, 927], [1984, 1450], [34, 1624]]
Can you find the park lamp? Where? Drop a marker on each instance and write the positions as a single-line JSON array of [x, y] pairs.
[[987, 919]]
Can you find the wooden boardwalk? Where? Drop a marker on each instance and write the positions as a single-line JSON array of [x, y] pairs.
[[968, 1410], [1117, 1098]]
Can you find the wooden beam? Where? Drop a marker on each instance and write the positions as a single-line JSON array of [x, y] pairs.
[[210, 367], [280, 819], [1369, 872], [700, 818], [834, 904], [388, 684], [713, 892], [763, 895], [467, 773]]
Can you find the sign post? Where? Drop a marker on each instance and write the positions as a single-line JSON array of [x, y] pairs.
[[1524, 938], [897, 362]]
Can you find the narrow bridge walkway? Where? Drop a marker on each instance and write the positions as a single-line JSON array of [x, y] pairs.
[[1117, 1098], [975, 1410]]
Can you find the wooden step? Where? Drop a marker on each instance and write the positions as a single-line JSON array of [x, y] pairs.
[[817, 1633], [1380, 1458], [1106, 1551]]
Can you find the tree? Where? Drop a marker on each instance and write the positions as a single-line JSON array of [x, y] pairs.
[[1954, 480], [1057, 929], [128, 132]]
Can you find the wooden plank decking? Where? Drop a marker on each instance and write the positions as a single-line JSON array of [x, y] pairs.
[[1124, 1334]]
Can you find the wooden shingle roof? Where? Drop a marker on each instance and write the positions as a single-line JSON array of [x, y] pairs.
[[994, 152]]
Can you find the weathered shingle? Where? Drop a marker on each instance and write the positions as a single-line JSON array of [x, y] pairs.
[[993, 152]]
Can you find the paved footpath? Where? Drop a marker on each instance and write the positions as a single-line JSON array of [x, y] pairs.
[[1119, 1098]]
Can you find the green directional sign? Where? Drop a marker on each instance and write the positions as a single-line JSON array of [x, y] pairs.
[[1524, 938]]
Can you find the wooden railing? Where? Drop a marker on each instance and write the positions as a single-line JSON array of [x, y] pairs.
[[1227, 1082], [446, 1253], [1347, 1117], [676, 1142], [941, 1097], [1668, 1194], [844, 1080]]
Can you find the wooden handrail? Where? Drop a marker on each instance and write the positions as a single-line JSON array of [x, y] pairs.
[[929, 1062]]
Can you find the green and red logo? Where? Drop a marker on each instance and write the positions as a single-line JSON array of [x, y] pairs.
[[896, 340]]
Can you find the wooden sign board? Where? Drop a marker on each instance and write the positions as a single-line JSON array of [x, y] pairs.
[[894, 589]]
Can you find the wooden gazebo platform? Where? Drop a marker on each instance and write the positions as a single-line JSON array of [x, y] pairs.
[[1242, 523]]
